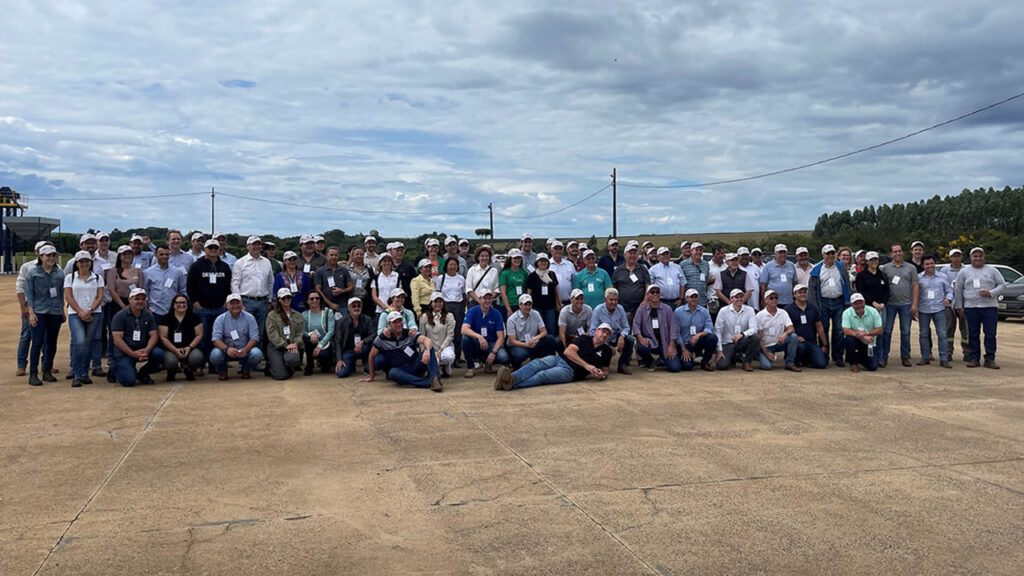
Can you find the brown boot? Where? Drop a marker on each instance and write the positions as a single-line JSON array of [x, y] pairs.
[[747, 367], [991, 364]]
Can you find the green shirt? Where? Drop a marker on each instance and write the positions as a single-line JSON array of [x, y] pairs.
[[515, 283], [868, 322], [593, 285]]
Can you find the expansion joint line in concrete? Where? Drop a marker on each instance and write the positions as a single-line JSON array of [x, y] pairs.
[[564, 496], [106, 480]]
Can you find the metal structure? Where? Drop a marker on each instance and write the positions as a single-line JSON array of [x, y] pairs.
[[12, 205]]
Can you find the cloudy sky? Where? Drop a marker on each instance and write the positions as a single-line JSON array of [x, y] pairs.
[[431, 110]]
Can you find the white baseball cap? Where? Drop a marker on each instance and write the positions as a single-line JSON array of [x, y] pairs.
[[369, 239], [605, 326], [799, 287], [872, 255], [526, 298], [233, 297], [432, 242], [575, 292], [857, 297], [572, 243], [652, 287], [691, 292], [354, 300], [289, 255], [827, 248], [252, 240], [515, 253], [731, 256], [525, 236], [135, 292], [743, 250], [136, 237], [318, 238], [81, 255], [977, 249], [758, 250], [85, 237], [396, 292], [423, 262], [125, 248], [211, 243], [219, 234], [49, 249], [696, 245], [916, 243], [102, 235], [735, 292], [197, 236], [305, 238], [613, 241], [394, 315], [436, 295], [557, 244], [42, 243], [463, 241], [956, 251], [284, 292], [684, 243], [589, 253], [542, 256], [802, 250], [663, 250], [778, 248], [769, 292], [449, 240]]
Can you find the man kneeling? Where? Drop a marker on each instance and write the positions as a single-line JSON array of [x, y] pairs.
[[586, 356], [398, 345]]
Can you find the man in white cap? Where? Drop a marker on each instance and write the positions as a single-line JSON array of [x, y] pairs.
[[917, 255], [933, 297], [198, 250], [406, 270], [953, 319], [592, 280], [978, 287], [779, 275], [320, 244], [736, 330], [752, 270], [902, 302], [134, 331], [208, 284], [669, 277], [352, 339], [755, 258], [809, 330], [105, 256], [696, 334], [697, 272], [862, 327], [612, 258], [176, 256], [465, 252], [655, 331], [563, 269], [226, 256], [527, 336], [587, 356], [611, 313], [140, 259], [733, 277], [25, 340], [406, 366], [685, 250], [572, 254], [483, 334], [631, 279], [370, 256], [775, 330], [574, 319], [253, 279], [270, 253], [88, 243], [451, 252], [829, 292], [803, 266], [526, 246], [309, 260], [235, 338]]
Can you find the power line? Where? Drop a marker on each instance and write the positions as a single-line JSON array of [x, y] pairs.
[[607, 186], [349, 210], [833, 158], [86, 198]]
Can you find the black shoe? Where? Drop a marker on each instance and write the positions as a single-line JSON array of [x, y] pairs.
[[48, 377], [308, 370], [110, 377], [76, 383], [70, 375], [33, 380], [86, 380], [96, 372], [172, 377], [189, 374], [145, 379], [839, 364]]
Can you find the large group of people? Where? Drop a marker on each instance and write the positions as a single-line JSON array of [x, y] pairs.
[[533, 318]]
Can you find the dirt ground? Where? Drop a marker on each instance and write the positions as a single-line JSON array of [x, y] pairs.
[[908, 471]]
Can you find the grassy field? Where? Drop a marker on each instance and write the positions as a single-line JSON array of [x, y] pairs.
[[727, 239]]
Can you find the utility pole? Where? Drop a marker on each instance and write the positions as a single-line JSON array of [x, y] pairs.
[[213, 208], [490, 208], [615, 224]]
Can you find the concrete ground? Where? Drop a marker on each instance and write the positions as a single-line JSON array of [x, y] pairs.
[[911, 471]]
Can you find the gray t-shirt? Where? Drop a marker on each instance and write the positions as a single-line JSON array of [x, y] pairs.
[[575, 325], [901, 283]]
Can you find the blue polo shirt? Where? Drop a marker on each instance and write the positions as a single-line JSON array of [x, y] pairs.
[[781, 279], [492, 321]]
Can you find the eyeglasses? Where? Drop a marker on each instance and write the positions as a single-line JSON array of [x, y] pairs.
[[773, 297], [285, 298], [314, 297], [654, 291], [181, 303]]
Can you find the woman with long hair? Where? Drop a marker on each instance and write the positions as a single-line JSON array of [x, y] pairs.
[[512, 282], [438, 324], [293, 278], [453, 289], [481, 278], [44, 302], [284, 336], [181, 332], [383, 283], [83, 292], [542, 285], [317, 332]]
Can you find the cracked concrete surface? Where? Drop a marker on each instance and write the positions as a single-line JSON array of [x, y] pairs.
[[905, 471]]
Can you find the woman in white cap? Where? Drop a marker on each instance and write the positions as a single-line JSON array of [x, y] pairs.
[[542, 285], [422, 286], [383, 283], [121, 279], [317, 331], [452, 287], [439, 325], [481, 277], [433, 255], [83, 292], [284, 337], [512, 282], [293, 278], [396, 303], [181, 333], [44, 302]]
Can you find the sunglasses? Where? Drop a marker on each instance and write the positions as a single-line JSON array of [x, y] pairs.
[[773, 297], [314, 297]]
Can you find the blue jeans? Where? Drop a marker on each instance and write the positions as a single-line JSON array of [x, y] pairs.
[[207, 316], [349, 358], [84, 336], [857, 353], [550, 318], [412, 373], [707, 346], [24, 342], [471, 350], [810, 354], [646, 355], [219, 360], [832, 315], [789, 346], [978, 318], [924, 320], [125, 367], [546, 347], [258, 309], [44, 341], [547, 370], [891, 312]]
